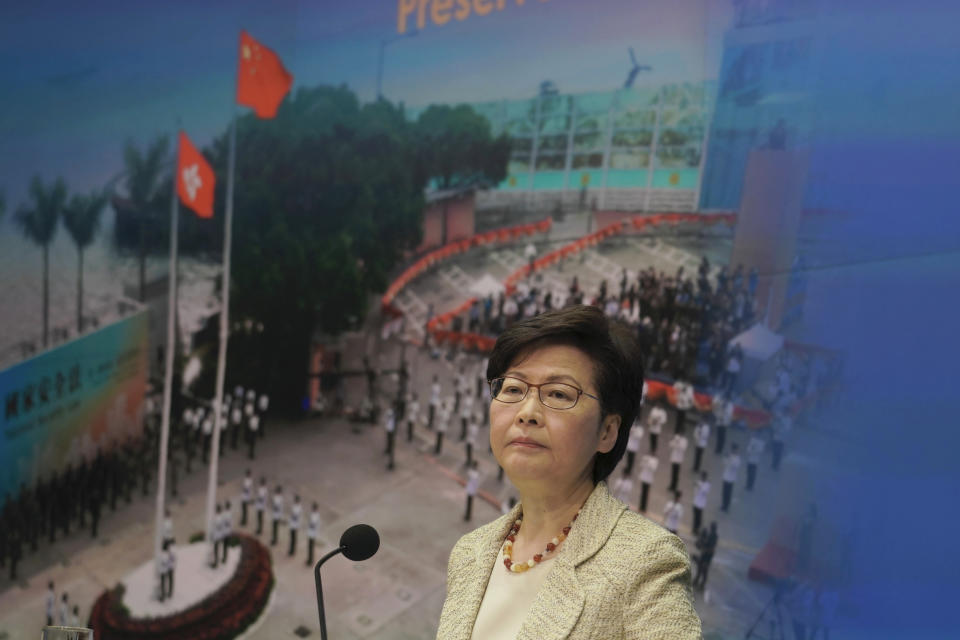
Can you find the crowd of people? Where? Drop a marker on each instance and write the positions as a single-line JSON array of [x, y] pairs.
[[75, 498]]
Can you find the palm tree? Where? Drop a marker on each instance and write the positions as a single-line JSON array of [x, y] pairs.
[[39, 224], [81, 217], [143, 181]]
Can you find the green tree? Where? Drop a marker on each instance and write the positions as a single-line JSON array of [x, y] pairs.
[[328, 196], [38, 222], [144, 182], [81, 217], [458, 148]]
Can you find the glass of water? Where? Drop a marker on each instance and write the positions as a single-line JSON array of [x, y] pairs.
[[66, 633]]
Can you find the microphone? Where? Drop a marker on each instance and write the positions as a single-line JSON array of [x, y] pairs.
[[357, 543]]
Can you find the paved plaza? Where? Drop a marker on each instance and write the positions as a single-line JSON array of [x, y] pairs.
[[418, 507]]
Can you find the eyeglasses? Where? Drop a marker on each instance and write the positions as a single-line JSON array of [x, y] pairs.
[[555, 395]]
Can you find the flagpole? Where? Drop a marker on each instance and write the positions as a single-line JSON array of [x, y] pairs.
[[167, 381], [224, 333]]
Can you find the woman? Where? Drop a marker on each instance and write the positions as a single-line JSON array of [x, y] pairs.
[[569, 560]]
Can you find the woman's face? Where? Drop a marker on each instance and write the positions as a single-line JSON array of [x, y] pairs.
[[534, 443]]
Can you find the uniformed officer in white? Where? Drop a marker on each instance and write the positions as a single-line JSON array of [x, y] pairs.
[[655, 421], [434, 401], [51, 603], [700, 493], [443, 420], [296, 513], [673, 513], [313, 528], [678, 449], [236, 420], [701, 436], [168, 564], [262, 405], [253, 426], [466, 410], [217, 535], [723, 416], [683, 394], [633, 444], [64, 613], [167, 527], [262, 492], [246, 495], [390, 426], [473, 484], [277, 513], [413, 414], [731, 466], [207, 437], [648, 467], [754, 449], [473, 432]]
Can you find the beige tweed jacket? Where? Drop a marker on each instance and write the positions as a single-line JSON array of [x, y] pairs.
[[617, 576]]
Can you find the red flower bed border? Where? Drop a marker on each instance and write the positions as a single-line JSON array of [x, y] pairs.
[[222, 615]]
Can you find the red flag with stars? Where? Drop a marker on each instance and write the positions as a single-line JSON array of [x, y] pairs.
[[262, 81], [195, 179]]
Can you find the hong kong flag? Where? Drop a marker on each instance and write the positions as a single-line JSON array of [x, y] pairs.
[[262, 81], [195, 180]]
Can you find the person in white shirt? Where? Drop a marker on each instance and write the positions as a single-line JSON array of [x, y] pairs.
[[263, 404], [622, 488], [648, 467], [473, 430], [466, 410], [673, 512], [390, 426], [683, 392], [262, 492], [51, 603], [227, 528], [207, 438], [701, 436], [723, 418], [246, 495], [64, 612], [236, 418], [782, 424], [294, 523], [459, 385], [473, 484], [700, 493], [442, 422], [434, 401], [238, 392], [217, 535], [167, 535], [313, 528], [253, 426], [678, 448], [277, 513], [655, 421], [731, 466], [633, 443], [754, 449], [75, 616], [413, 414]]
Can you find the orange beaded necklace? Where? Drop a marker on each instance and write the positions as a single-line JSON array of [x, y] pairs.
[[520, 567]]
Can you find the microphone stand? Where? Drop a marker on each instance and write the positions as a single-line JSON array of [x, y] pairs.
[[316, 576]]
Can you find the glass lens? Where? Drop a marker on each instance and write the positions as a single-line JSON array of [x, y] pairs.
[[66, 633], [558, 395], [509, 389]]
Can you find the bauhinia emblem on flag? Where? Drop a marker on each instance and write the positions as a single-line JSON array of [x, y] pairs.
[[195, 179], [262, 81]]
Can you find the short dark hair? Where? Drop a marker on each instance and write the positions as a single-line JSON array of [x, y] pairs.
[[610, 345]]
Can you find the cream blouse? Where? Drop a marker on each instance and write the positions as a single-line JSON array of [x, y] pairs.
[[508, 599]]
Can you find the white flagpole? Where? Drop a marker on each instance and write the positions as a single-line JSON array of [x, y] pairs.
[[167, 379], [224, 334]]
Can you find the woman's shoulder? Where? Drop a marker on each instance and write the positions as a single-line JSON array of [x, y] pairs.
[[636, 536], [480, 537]]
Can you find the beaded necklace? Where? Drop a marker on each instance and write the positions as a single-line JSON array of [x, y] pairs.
[[520, 567]]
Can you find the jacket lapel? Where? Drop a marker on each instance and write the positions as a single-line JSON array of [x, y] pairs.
[[561, 599]]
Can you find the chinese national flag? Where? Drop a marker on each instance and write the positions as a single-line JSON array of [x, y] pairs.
[[195, 179], [262, 82]]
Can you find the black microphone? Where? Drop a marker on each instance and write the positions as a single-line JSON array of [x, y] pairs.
[[359, 542]]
